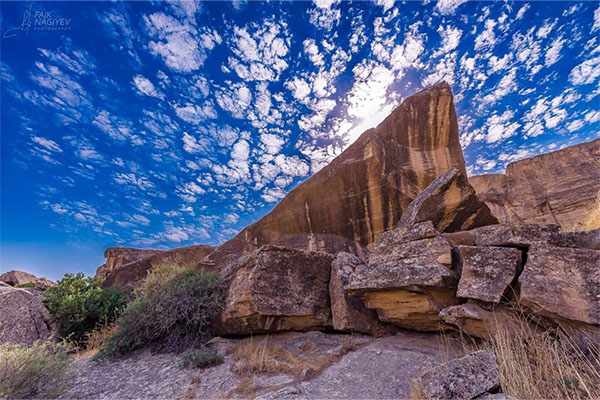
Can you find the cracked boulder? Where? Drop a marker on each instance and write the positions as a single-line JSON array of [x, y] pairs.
[[451, 203], [408, 279], [277, 289]]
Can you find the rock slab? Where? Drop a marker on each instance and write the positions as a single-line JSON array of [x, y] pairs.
[[20, 278]]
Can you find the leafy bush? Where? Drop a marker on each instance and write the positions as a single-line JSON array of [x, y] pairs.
[[34, 372], [202, 358], [173, 309], [78, 305]]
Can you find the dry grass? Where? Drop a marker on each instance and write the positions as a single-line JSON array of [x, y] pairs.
[[95, 340]]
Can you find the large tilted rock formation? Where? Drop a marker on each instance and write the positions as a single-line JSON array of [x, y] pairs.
[[554, 188], [116, 257], [364, 191], [24, 279]]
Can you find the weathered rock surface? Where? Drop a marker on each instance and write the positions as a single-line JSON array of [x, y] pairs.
[[20, 278], [486, 272], [562, 283], [128, 274], [450, 203], [554, 188], [119, 256], [407, 279], [463, 378], [472, 319], [364, 191], [278, 289], [349, 313], [23, 317]]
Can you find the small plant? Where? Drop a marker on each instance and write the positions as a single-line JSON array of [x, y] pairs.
[[78, 305], [173, 309], [32, 372], [95, 340], [202, 358]]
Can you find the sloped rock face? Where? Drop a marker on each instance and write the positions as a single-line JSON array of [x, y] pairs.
[[450, 203], [364, 191], [278, 289], [463, 378], [119, 256], [475, 320], [24, 319], [407, 279], [126, 275], [20, 278], [554, 188]]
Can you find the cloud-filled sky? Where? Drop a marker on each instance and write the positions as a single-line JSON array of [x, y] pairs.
[[165, 124]]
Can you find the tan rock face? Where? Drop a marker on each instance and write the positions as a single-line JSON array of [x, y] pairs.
[[486, 272], [554, 188], [407, 279], [20, 278], [562, 283], [278, 289], [119, 256], [126, 275], [450, 203], [24, 318], [473, 319], [364, 191]]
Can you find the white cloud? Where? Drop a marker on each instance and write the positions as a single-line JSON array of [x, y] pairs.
[[194, 114], [585, 73], [500, 127], [596, 25], [446, 7], [325, 15], [369, 92], [145, 87], [553, 52], [47, 144]]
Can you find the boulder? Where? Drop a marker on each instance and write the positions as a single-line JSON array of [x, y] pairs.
[[562, 283], [486, 272], [520, 236], [364, 191], [450, 203], [408, 279], [20, 278], [24, 318], [475, 320], [349, 313], [119, 256], [463, 378], [277, 289], [559, 187], [127, 275]]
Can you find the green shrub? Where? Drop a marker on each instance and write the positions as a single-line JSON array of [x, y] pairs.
[[34, 372], [173, 309], [78, 305], [202, 358]]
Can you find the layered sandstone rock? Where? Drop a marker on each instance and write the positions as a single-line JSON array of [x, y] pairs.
[[486, 272], [559, 187], [126, 275], [277, 289], [407, 279], [119, 256], [24, 319], [475, 320], [450, 203], [462, 378], [20, 278], [364, 191]]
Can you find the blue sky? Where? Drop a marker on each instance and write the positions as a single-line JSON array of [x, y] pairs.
[[165, 124]]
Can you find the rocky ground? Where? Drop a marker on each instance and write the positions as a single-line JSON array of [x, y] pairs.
[[371, 368]]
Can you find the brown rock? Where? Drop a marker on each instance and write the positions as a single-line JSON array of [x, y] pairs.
[[463, 378], [20, 278], [562, 283], [349, 313], [472, 319], [486, 272], [450, 203], [24, 319], [407, 282], [520, 236], [119, 256], [278, 289], [128, 275], [364, 191], [554, 188]]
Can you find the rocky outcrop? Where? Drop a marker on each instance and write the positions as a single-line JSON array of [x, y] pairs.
[[463, 378], [475, 320], [407, 278], [364, 191], [277, 289], [554, 188], [24, 319], [24, 279], [126, 275], [116, 257], [450, 203]]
